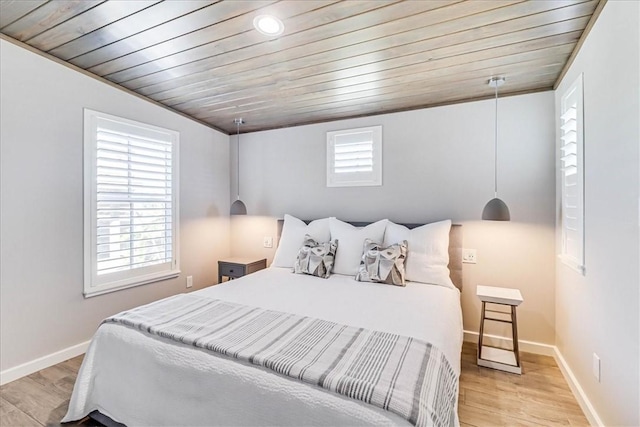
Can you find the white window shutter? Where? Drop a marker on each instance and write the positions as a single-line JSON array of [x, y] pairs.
[[354, 157], [572, 176], [130, 203]]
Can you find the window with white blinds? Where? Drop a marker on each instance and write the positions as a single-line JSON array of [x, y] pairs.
[[354, 157], [572, 176], [131, 203]]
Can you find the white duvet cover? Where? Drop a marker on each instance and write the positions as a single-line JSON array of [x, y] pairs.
[[140, 379]]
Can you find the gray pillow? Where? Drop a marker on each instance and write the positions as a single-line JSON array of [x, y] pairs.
[[315, 258], [383, 265]]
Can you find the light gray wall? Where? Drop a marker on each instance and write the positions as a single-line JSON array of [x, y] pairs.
[[598, 312], [42, 309], [438, 163]]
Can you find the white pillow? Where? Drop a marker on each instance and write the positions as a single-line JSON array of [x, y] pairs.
[[292, 238], [351, 243], [428, 250]]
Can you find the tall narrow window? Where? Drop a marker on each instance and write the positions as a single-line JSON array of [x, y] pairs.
[[354, 157], [130, 205], [572, 176]]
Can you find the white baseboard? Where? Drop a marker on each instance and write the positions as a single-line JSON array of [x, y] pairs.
[[498, 341], [546, 350], [578, 392], [36, 365]]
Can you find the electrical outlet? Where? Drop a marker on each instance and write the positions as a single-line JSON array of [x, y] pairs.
[[267, 242], [596, 366], [189, 281], [469, 256]]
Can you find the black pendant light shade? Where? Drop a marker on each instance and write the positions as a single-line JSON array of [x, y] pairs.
[[238, 207], [496, 210]]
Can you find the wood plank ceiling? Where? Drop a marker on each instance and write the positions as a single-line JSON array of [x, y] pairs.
[[335, 59]]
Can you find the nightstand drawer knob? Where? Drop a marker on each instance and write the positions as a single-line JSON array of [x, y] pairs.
[[231, 270]]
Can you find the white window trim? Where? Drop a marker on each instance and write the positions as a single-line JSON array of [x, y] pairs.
[[355, 179], [573, 261], [92, 289]]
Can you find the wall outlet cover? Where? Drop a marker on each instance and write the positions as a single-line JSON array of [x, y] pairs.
[[469, 256], [267, 242], [189, 281]]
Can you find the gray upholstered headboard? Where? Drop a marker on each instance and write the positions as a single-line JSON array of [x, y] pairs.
[[455, 247]]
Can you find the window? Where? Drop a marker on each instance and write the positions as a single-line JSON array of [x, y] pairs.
[[354, 157], [572, 176], [130, 203]]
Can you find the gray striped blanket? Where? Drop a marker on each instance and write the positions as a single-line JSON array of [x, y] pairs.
[[400, 374]]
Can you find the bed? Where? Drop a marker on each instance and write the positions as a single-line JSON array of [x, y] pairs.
[[137, 378]]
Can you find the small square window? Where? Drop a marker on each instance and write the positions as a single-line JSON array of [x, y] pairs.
[[354, 157]]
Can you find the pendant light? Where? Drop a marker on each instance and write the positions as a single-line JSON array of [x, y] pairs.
[[238, 207], [496, 209]]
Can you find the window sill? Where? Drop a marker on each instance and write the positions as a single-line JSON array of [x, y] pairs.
[[105, 289], [572, 264]]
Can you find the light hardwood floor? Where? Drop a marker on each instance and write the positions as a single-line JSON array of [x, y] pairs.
[[540, 396], [487, 397]]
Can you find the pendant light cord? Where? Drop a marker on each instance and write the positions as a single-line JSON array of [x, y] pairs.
[[495, 160], [238, 159]]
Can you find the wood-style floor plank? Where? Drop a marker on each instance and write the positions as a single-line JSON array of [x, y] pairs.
[[74, 363], [487, 398], [32, 398], [12, 416], [540, 396]]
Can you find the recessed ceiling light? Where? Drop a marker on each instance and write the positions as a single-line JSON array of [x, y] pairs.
[[268, 25]]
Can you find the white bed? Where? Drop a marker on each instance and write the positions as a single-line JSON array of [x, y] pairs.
[[140, 379]]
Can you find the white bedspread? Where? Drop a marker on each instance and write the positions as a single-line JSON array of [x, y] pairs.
[[139, 379]]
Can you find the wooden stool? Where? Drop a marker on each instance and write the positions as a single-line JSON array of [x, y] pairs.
[[493, 357]]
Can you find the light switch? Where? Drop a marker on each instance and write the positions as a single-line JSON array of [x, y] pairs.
[[267, 242], [596, 366]]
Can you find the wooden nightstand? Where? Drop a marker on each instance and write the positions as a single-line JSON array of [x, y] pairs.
[[238, 267], [493, 357]]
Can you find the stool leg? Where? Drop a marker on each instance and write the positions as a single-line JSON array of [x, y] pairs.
[[481, 331], [514, 329]]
